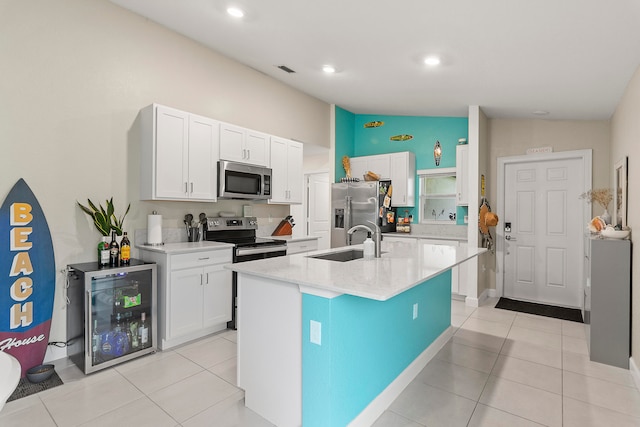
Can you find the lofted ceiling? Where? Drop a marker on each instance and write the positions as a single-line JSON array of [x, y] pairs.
[[549, 59]]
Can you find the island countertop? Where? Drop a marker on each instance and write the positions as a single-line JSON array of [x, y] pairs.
[[402, 266]]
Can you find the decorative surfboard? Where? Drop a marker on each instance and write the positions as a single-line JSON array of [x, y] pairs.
[[27, 277]]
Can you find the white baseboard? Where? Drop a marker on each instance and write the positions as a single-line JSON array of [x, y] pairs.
[[635, 372], [380, 404], [477, 302], [55, 353]]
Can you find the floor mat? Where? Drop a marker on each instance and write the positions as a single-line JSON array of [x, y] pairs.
[[26, 388], [572, 314]]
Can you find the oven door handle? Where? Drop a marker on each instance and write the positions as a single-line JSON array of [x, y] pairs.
[[263, 250]]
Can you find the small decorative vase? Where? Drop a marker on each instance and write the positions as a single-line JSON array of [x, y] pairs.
[[606, 217]]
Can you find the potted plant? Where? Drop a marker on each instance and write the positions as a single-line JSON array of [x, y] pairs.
[[105, 220]]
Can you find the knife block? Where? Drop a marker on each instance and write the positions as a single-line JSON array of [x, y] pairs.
[[283, 229]]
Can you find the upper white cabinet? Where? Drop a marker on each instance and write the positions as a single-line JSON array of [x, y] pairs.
[[403, 178], [286, 171], [462, 181], [400, 168], [238, 144], [379, 164], [179, 155]]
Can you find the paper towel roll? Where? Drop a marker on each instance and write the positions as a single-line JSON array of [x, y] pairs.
[[154, 229]]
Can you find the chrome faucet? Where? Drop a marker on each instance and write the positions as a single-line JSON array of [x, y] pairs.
[[377, 234]]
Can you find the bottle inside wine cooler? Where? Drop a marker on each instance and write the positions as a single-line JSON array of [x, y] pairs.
[[95, 343], [133, 330], [144, 331]]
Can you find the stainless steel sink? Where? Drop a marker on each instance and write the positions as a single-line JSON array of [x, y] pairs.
[[342, 256]]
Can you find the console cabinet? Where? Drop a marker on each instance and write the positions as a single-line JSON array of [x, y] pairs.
[[607, 303]]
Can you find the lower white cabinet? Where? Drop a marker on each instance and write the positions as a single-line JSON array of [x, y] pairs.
[[300, 246], [194, 294]]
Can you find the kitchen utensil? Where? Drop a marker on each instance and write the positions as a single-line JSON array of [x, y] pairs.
[[203, 218]]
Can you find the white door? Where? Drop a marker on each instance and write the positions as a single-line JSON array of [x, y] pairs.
[[319, 206], [543, 252]]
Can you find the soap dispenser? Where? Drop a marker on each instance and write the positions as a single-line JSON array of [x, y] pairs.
[[369, 247]]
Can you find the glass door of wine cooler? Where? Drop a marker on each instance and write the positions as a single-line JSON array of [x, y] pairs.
[[119, 314]]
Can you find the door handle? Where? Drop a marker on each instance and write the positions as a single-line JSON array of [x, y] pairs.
[[508, 237]]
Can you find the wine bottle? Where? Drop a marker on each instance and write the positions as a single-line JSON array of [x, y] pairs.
[[144, 331], [114, 251], [95, 342], [125, 250], [133, 327], [103, 253]]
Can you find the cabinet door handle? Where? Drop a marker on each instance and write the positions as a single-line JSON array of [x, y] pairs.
[[244, 153], [201, 279], [192, 187], [186, 187], [202, 259], [248, 154]]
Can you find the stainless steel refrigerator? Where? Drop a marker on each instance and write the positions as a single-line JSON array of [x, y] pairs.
[[354, 203]]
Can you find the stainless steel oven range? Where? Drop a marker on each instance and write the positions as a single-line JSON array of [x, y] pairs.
[[241, 231]]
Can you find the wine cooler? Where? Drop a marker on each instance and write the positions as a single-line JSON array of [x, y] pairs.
[[111, 313]]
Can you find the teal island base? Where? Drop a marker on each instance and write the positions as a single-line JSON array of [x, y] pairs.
[[315, 358]]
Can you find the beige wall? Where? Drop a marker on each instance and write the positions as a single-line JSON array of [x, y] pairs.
[[625, 130], [74, 75], [508, 137]]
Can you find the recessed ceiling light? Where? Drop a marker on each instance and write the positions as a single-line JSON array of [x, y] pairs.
[[432, 60], [329, 69], [540, 113], [235, 12]]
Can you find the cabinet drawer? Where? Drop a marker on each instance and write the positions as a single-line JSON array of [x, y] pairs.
[[303, 246], [200, 259]]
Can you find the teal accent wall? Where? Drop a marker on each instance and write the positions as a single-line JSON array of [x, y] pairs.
[[425, 131], [365, 345], [344, 139]]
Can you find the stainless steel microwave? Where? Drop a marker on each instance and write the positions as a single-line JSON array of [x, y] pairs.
[[242, 181]]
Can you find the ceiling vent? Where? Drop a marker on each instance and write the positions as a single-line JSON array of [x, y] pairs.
[[286, 69]]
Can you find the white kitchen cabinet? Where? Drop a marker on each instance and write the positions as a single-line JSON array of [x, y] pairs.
[[286, 171], [379, 164], [300, 246], [194, 294], [179, 155], [462, 178], [400, 168], [403, 178], [238, 144]]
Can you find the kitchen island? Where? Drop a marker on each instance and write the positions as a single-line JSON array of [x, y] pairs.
[[326, 343]]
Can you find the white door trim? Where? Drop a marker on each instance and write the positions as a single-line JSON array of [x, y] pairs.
[[584, 155]]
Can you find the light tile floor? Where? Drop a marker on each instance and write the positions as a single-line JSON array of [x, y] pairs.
[[500, 369]]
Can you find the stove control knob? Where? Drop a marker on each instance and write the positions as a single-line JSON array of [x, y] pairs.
[[253, 222], [214, 223]]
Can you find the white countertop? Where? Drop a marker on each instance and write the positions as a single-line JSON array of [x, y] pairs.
[[401, 267], [182, 247], [424, 236]]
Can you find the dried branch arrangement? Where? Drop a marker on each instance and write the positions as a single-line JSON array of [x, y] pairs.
[[601, 196]]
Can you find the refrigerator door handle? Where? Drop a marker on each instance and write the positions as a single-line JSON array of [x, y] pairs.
[[347, 219]]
